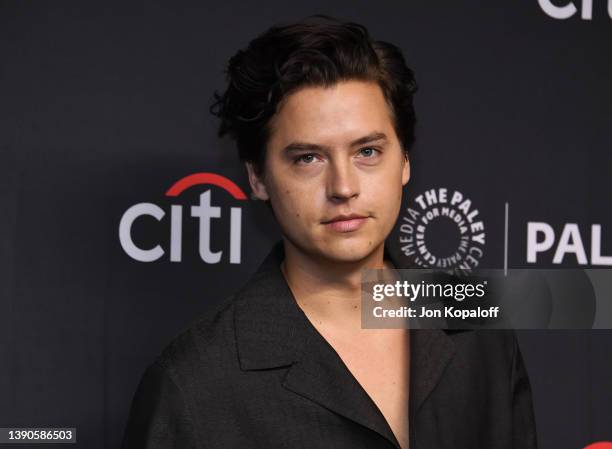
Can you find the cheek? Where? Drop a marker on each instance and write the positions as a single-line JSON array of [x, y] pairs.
[[290, 204], [388, 193]]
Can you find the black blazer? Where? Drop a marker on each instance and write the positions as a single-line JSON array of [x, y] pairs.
[[257, 374]]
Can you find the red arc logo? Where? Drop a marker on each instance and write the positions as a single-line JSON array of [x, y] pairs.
[[206, 178]]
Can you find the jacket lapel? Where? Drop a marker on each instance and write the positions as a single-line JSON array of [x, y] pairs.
[[322, 377], [430, 352], [272, 331]]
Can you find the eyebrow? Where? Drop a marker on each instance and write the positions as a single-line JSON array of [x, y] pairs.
[[305, 146]]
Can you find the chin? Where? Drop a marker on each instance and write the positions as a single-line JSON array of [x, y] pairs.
[[348, 249]]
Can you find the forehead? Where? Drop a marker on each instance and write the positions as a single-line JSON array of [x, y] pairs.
[[332, 115]]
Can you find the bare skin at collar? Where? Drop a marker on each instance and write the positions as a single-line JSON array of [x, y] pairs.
[[330, 293]]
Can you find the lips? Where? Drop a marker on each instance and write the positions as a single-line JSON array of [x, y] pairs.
[[343, 217], [346, 223]]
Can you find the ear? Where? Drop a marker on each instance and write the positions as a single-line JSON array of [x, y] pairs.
[[256, 181], [405, 170]]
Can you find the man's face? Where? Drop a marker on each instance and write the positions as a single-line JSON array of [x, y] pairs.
[[334, 152]]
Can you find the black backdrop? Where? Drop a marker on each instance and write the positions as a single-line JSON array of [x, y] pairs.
[[106, 106]]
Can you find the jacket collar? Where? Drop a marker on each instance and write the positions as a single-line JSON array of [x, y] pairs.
[[272, 331]]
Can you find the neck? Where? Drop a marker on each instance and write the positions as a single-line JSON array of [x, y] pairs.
[[329, 291]]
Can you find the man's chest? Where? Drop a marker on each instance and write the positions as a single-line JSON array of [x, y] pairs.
[[382, 368]]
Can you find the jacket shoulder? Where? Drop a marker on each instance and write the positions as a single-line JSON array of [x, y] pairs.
[[205, 346], [490, 347]]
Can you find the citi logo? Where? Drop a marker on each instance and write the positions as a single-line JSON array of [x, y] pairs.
[[204, 212], [570, 9]]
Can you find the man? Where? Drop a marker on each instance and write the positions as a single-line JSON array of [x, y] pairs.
[[324, 120]]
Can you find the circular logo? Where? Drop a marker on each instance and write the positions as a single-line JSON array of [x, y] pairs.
[[442, 229]]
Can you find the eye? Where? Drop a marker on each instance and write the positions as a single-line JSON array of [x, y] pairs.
[[305, 158], [369, 152]]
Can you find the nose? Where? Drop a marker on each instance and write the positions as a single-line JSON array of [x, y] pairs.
[[342, 181]]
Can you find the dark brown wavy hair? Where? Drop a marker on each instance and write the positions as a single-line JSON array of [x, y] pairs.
[[316, 51]]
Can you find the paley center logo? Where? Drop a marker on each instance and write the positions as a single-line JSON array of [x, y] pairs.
[[444, 230], [542, 240], [418, 239], [205, 211]]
